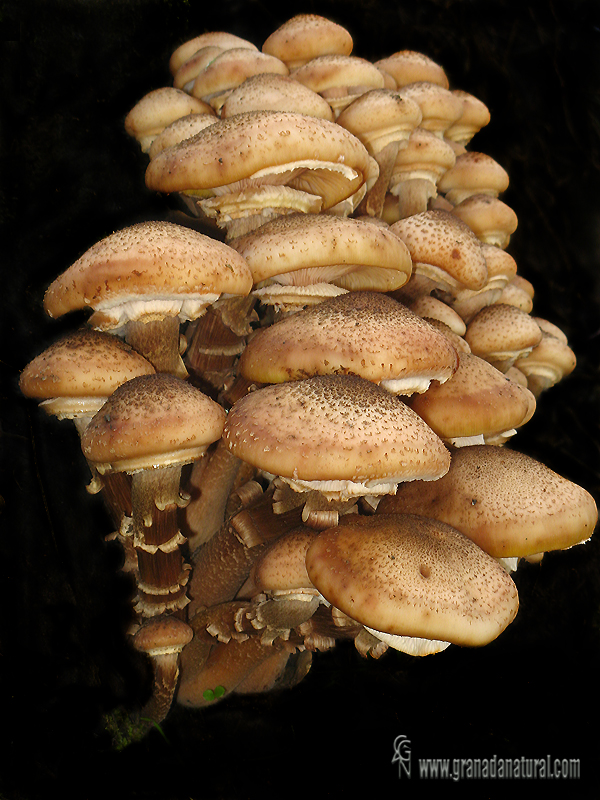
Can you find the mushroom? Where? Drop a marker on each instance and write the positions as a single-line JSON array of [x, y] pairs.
[[338, 435], [222, 39], [509, 504], [301, 259], [491, 220], [501, 268], [143, 280], [360, 333], [182, 128], [253, 166], [502, 334], [473, 173], [549, 361], [475, 116], [410, 66], [157, 109], [272, 92], [306, 36], [150, 427], [407, 577], [478, 404], [439, 107]]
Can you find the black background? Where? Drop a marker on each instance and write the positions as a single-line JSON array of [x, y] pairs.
[[70, 176]]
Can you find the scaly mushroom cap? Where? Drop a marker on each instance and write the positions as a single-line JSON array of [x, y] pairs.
[[473, 173], [189, 70], [84, 364], [501, 334], [439, 107], [221, 39], [409, 66], [272, 92], [182, 128], [306, 36], [444, 248], [477, 401], [380, 116], [326, 74], [508, 503], [475, 116], [491, 220], [410, 576], [231, 68], [309, 248], [360, 333], [336, 429], [160, 108], [266, 147], [149, 261], [152, 421]]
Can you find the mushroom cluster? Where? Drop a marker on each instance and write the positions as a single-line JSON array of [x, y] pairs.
[[299, 419]]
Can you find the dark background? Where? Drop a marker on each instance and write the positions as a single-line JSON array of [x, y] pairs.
[[70, 176]]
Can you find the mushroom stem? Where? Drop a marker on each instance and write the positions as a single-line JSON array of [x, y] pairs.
[[372, 203], [157, 339], [414, 196], [162, 574], [206, 513]]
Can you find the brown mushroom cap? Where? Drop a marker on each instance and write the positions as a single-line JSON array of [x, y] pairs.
[[444, 248], [257, 145], [350, 253], [501, 334], [306, 36], [147, 261], [221, 39], [477, 400], [409, 66], [473, 173], [490, 219], [333, 428], [152, 421], [162, 636], [271, 92], [508, 503], [282, 567], [84, 364], [412, 576], [359, 333]]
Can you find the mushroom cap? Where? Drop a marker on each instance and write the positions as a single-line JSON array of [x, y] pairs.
[[475, 116], [439, 107], [508, 503], [272, 92], [490, 219], [380, 116], [306, 36], [502, 333], [146, 261], [189, 70], [477, 400], [333, 428], [282, 567], [473, 173], [412, 576], [336, 71], [221, 39], [163, 635], [442, 246], [424, 155], [152, 421], [160, 108], [409, 66], [229, 69], [358, 333], [182, 128], [252, 146], [86, 363], [351, 253]]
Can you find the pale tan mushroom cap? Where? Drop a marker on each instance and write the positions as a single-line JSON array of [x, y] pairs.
[[158, 109], [508, 503], [333, 428], [490, 219], [336, 71], [475, 116], [189, 70], [250, 146], [352, 253], [473, 173], [439, 107], [438, 239], [85, 363], [148, 260], [182, 128], [271, 92], [306, 36], [424, 155], [151, 421], [359, 333], [501, 329], [231, 68], [478, 399], [221, 39], [412, 576], [283, 567], [380, 116], [409, 66]]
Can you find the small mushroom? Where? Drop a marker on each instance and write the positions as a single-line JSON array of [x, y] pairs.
[[159, 108], [306, 36], [410, 66], [273, 92], [502, 334], [222, 39]]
